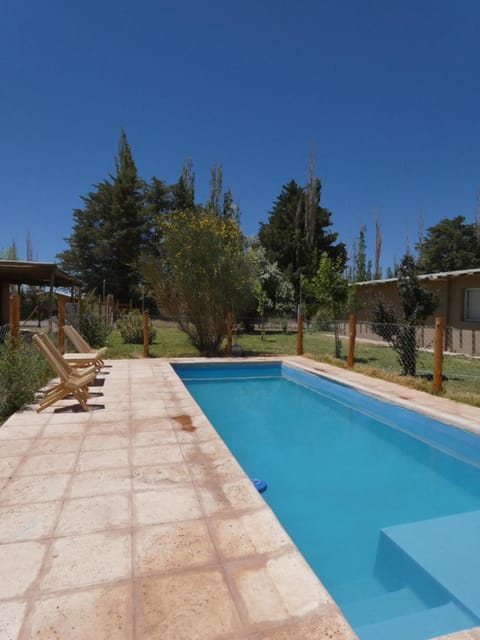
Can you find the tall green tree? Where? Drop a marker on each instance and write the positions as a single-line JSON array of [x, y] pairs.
[[417, 304], [110, 230], [297, 232], [450, 245], [183, 191], [359, 268]]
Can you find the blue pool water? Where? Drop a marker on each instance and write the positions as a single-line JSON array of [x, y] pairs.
[[384, 503]]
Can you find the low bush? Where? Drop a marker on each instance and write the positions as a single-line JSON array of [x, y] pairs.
[[23, 371], [130, 327]]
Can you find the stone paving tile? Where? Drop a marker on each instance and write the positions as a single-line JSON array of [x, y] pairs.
[[14, 447], [8, 465], [96, 614], [154, 423], [67, 429], [28, 521], [103, 459], [156, 454], [177, 545], [64, 444], [91, 514], [149, 438], [30, 489], [19, 431], [160, 476], [20, 564], [48, 463], [251, 533], [100, 442], [80, 561], [166, 505], [229, 497], [101, 482], [190, 605], [11, 618]]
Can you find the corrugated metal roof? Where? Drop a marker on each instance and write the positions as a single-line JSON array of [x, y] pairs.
[[440, 275]]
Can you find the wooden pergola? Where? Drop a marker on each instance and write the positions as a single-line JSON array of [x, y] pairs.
[[39, 274]]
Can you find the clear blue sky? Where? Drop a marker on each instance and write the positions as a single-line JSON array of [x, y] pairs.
[[388, 92]]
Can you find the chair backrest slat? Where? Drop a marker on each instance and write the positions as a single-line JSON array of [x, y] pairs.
[[58, 364], [77, 339]]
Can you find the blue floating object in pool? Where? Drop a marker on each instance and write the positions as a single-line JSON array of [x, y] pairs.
[[260, 485]]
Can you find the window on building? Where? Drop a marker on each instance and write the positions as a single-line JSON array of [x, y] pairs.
[[472, 304]]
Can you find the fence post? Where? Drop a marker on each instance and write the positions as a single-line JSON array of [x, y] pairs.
[[438, 355], [352, 333], [228, 348], [145, 334], [14, 316], [61, 323], [299, 332]]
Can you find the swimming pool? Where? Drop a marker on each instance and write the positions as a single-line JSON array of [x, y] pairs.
[[384, 503]]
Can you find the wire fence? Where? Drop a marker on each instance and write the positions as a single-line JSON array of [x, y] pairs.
[[386, 349]]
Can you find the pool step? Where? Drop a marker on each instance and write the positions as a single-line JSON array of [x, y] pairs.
[[382, 607], [428, 623], [352, 591]]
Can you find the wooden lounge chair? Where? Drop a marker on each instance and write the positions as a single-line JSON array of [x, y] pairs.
[[71, 381], [85, 351]]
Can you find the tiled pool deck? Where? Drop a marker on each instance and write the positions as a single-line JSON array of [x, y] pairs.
[[133, 521]]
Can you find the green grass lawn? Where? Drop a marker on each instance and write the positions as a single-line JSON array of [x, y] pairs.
[[462, 374]]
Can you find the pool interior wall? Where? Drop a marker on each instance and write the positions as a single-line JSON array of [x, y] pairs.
[[383, 502]]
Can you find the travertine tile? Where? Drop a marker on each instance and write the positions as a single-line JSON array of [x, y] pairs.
[[152, 423], [41, 488], [106, 459], [79, 561], [98, 513], [8, 465], [247, 534], [12, 431], [159, 437], [96, 614], [67, 429], [20, 564], [101, 482], [100, 442], [178, 545], [27, 521], [166, 505], [230, 496], [191, 605], [327, 624], [156, 454], [63, 444], [11, 618], [47, 463], [160, 476], [15, 447]]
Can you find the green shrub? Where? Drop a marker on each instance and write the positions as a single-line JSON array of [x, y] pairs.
[[23, 371], [130, 327], [93, 328]]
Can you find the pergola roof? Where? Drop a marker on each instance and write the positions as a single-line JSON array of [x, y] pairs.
[[36, 273]]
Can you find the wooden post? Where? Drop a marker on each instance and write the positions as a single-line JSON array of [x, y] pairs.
[[228, 348], [145, 334], [299, 332], [352, 333], [438, 355], [14, 316], [61, 324]]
